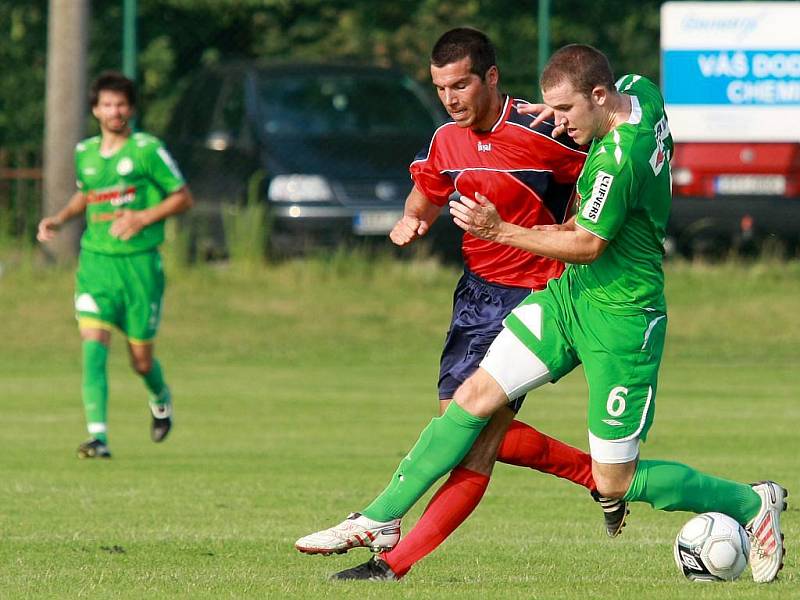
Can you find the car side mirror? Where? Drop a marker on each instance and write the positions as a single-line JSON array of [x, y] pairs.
[[218, 140]]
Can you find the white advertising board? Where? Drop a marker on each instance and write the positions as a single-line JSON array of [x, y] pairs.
[[731, 70]]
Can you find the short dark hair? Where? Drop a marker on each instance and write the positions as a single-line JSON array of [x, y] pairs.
[[584, 66], [461, 42], [113, 81]]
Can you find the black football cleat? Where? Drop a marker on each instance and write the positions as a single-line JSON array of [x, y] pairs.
[[615, 510], [162, 419], [374, 569], [93, 448]]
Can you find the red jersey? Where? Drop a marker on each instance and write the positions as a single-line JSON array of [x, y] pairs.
[[526, 173]]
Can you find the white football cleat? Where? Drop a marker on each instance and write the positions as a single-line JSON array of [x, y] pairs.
[[766, 539], [356, 531]]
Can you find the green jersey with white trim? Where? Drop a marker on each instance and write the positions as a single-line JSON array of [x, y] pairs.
[[625, 192], [136, 177]]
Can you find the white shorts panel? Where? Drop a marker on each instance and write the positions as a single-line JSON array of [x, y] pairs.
[[513, 366], [613, 452]]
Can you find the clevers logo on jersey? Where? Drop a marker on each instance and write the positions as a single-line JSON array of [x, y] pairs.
[[594, 205], [660, 154]]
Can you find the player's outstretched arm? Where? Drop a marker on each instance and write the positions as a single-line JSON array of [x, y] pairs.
[[567, 225], [418, 216], [480, 218], [49, 226], [127, 223]]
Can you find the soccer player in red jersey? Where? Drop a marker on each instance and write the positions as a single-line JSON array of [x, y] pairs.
[[488, 148]]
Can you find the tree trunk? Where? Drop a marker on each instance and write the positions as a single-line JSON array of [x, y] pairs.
[[65, 114]]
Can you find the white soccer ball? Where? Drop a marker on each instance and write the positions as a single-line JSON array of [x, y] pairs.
[[712, 547]]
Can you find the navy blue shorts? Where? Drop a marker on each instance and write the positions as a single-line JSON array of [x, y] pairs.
[[479, 308]]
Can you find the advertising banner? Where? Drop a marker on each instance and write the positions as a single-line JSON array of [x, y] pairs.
[[731, 70]]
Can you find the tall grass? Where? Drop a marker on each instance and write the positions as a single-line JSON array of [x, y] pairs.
[[246, 233], [248, 227]]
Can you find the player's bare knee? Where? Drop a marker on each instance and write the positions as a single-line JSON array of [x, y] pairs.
[[95, 335], [142, 365], [467, 396], [480, 395]]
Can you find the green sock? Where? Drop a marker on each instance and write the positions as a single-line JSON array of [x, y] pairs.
[[154, 380], [673, 486], [95, 388], [441, 446]]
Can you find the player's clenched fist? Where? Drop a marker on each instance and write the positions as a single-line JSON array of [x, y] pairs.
[[47, 229], [408, 229], [478, 217]]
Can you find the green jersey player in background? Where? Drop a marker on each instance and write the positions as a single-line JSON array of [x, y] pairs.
[[607, 311], [127, 186]]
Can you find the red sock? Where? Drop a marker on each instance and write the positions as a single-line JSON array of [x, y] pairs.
[[448, 508], [526, 447]]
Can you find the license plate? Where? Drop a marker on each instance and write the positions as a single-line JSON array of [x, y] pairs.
[[375, 222], [751, 184]]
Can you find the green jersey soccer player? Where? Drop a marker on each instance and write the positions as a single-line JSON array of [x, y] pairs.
[[607, 312], [127, 186]]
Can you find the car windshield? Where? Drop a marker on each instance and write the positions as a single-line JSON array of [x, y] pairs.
[[342, 104]]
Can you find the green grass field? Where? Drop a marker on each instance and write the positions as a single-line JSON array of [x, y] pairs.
[[298, 389]]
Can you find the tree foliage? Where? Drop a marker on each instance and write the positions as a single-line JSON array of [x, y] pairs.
[[23, 50], [176, 36]]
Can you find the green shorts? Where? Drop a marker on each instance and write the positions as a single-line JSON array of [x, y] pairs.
[[621, 355], [124, 290]]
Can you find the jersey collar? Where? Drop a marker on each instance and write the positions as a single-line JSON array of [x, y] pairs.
[[504, 113], [116, 152], [636, 111]]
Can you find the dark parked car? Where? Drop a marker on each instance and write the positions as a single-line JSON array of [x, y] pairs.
[[327, 147]]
